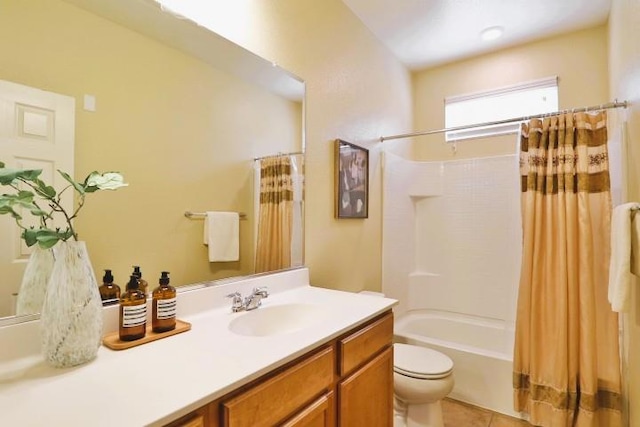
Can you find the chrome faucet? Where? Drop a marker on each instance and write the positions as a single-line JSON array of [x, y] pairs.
[[236, 304], [254, 300], [251, 302]]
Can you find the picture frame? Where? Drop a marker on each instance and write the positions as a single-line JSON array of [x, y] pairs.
[[351, 180]]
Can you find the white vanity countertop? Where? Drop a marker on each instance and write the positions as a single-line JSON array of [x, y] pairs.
[[155, 383]]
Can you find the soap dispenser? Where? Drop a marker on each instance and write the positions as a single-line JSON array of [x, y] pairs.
[[163, 310], [109, 291], [133, 312], [144, 286]]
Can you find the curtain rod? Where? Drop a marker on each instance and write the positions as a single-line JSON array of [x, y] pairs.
[[607, 106], [294, 153]]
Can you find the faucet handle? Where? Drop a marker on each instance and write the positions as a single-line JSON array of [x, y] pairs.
[[236, 302], [262, 291]]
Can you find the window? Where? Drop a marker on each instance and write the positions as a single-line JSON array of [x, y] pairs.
[[526, 99]]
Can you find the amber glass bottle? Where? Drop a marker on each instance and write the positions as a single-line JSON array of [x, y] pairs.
[[133, 312], [109, 291], [144, 286], [163, 316]]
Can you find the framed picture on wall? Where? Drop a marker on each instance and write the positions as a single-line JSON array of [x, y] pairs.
[[351, 180]]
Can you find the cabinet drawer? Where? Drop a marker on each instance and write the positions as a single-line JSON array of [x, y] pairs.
[[278, 397], [321, 413], [359, 347]]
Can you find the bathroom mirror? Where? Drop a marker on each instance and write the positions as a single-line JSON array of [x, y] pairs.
[[181, 112]]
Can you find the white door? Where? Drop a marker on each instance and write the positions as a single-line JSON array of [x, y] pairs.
[[36, 132]]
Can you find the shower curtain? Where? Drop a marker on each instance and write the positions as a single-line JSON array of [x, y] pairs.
[[566, 356], [273, 249]]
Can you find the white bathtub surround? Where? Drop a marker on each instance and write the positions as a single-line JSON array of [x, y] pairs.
[[205, 363], [450, 251]]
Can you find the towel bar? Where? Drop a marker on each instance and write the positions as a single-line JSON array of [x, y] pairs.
[[202, 215]]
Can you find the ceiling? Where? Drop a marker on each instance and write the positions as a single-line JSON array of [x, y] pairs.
[[426, 33]]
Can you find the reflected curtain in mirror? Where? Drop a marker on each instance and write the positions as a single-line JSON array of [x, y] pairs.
[[278, 184]]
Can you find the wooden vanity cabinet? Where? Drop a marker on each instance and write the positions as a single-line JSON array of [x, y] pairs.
[[320, 413], [365, 391], [345, 383], [293, 390]]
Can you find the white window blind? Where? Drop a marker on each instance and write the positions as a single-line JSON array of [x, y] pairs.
[[526, 99]]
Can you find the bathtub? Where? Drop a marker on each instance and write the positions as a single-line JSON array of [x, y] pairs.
[[481, 351]]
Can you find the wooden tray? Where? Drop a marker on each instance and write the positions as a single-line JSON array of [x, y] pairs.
[[112, 340]]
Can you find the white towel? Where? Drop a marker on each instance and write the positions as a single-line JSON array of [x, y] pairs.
[[620, 265], [222, 235], [635, 244]]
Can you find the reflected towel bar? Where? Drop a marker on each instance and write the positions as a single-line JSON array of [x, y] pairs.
[[202, 215]]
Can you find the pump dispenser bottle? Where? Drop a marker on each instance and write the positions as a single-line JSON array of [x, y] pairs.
[[144, 286], [109, 291], [164, 305], [133, 312]]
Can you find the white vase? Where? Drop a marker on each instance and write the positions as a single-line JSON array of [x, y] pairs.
[[71, 319], [34, 281]]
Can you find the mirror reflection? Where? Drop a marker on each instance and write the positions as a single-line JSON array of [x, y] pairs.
[[180, 112]]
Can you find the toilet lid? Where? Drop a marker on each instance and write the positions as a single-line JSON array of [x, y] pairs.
[[420, 362]]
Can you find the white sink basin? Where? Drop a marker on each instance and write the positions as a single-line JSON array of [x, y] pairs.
[[277, 319]]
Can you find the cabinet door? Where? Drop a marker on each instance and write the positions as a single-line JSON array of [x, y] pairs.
[[366, 396], [275, 399], [321, 413]]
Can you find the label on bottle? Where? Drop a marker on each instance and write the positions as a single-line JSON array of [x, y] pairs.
[[134, 315], [166, 308]]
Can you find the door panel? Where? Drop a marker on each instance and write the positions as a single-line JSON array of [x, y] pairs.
[[366, 396], [36, 131]]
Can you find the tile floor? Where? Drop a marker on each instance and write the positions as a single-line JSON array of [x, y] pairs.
[[459, 414]]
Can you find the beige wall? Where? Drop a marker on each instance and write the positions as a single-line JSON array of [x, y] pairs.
[[183, 134], [578, 59], [356, 91], [624, 69]]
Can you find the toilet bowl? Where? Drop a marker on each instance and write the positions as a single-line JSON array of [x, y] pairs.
[[422, 378]]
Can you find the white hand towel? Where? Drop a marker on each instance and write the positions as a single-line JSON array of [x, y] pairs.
[[620, 265], [635, 244], [222, 235]]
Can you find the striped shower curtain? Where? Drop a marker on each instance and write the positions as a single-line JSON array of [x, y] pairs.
[[273, 249], [566, 357]]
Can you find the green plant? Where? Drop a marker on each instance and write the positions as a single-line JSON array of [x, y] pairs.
[[43, 201]]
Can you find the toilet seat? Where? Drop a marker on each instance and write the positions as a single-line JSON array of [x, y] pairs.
[[420, 362]]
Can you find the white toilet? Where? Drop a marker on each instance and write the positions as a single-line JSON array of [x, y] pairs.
[[422, 378]]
